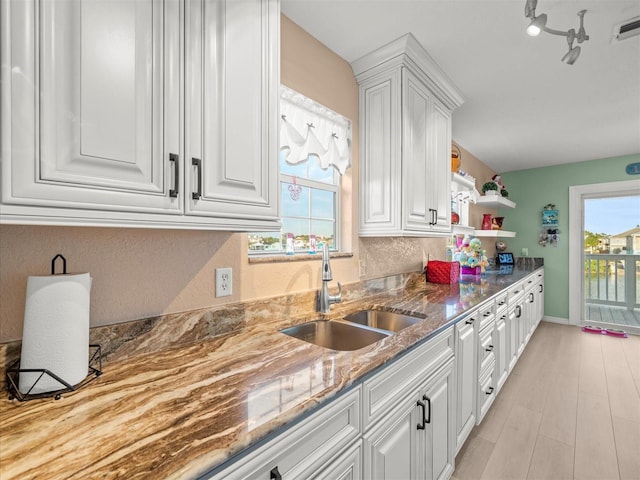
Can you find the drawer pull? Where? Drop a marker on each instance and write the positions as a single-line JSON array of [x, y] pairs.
[[173, 157], [275, 474], [469, 321], [501, 303], [490, 391], [486, 314], [489, 348], [422, 426]]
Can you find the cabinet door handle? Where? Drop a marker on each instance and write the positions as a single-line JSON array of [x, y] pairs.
[[421, 426], [428, 400], [274, 474], [490, 391], [174, 157], [519, 309], [541, 288], [434, 216], [531, 297], [196, 162], [489, 348]]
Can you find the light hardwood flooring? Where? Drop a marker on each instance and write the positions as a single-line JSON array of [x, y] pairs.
[[570, 409]]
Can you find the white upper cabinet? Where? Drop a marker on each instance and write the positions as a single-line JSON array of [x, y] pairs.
[[103, 108], [232, 112], [405, 141]]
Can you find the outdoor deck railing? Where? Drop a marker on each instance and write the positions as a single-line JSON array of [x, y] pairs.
[[612, 279]]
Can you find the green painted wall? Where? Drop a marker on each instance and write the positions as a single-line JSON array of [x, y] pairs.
[[533, 189]]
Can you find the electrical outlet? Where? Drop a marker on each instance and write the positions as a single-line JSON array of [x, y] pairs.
[[224, 282]]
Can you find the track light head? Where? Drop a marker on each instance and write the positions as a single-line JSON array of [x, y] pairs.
[[537, 25], [571, 56]]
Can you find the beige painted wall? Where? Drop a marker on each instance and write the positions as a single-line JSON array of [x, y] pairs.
[[140, 273]]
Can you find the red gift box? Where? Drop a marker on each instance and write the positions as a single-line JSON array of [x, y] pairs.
[[442, 272]]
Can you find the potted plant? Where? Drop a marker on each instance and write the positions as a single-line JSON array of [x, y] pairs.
[[504, 193], [490, 188]]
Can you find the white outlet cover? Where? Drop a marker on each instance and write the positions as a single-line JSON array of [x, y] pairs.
[[224, 282]]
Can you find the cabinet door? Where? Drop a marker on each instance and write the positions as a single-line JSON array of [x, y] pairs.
[[501, 350], [380, 167], [391, 448], [513, 336], [440, 431], [417, 108], [466, 379], [231, 145], [93, 104], [440, 169]]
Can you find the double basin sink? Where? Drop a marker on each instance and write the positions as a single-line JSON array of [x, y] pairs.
[[354, 331]]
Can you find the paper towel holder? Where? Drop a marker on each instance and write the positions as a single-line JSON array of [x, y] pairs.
[[53, 264], [14, 370]]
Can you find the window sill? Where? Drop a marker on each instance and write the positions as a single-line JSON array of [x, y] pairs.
[[298, 257]]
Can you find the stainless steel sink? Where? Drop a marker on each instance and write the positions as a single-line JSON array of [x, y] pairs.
[[392, 322], [336, 335]]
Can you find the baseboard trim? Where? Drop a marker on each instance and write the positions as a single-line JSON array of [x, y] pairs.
[[562, 321]]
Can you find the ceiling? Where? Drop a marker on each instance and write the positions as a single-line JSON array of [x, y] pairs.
[[524, 108]]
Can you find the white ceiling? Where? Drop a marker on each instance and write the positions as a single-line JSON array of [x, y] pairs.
[[524, 108]]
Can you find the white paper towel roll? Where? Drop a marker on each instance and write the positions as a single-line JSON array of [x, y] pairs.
[[56, 331]]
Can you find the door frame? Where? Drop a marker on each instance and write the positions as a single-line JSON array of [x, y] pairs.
[[577, 194]]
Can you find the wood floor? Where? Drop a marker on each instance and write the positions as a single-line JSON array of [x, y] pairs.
[[569, 410], [612, 315]]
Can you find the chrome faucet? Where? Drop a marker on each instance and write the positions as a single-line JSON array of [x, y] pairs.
[[325, 298]]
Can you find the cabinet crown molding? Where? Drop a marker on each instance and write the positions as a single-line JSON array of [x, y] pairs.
[[407, 51]]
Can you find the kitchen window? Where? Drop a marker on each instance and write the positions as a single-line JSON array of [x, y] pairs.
[[314, 151]]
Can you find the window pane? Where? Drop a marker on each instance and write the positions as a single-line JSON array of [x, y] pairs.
[[322, 204], [325, 231], [265, 242], [295, 200], [299, 228]]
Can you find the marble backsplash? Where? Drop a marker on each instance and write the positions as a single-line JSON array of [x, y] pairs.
[[147, 335]]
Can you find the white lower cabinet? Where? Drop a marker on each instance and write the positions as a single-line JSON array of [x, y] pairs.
[[466, 366], [502, 351], [308, 449], [417, 442]]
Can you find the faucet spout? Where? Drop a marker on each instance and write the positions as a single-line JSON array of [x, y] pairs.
[[326, 299]]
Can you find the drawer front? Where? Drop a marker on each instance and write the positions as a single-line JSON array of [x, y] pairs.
[[515, 292], [486, 392], [487, 317], [385, 389], [305, 448], [486, 354]]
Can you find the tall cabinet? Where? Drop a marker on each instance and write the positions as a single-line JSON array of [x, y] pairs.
[[406, 103], [140, 113]]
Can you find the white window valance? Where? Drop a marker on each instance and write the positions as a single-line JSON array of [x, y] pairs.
[[309, 129]]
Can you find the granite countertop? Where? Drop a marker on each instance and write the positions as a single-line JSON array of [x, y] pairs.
[[179, 412]]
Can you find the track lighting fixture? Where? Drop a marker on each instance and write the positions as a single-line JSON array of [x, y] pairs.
[[539, 24]]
